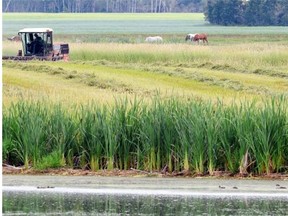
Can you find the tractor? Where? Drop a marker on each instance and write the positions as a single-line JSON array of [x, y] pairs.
[[38, 45]]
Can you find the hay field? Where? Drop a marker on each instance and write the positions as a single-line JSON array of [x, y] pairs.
[[106, 70], [109, 59]]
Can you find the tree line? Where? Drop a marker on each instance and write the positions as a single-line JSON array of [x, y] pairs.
[[219, 12], [247, 12], [91, 6]]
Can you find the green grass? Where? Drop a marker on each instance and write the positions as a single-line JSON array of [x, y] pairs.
[[104, 23], [97, 23]]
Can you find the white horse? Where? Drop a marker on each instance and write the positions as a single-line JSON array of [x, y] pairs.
[[190, 37], [154, 39]]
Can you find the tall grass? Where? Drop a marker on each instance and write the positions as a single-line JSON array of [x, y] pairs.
[[92, 124], [167, 134], [237, 57], [257, 58]]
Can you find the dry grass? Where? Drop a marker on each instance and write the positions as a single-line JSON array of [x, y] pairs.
[[19, 85]]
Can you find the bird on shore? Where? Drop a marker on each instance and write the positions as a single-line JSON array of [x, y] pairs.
[[221, 187], [235, 187], [280, 187], [44, 187]]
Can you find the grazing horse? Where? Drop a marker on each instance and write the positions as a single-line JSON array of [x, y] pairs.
[[190, 37], [154, 39], [199, 37]]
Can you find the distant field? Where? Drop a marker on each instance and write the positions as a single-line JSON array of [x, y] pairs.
[[98, 23], [103, 23]]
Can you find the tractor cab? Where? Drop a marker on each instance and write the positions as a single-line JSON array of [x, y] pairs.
[[37, 41], [38, 44]]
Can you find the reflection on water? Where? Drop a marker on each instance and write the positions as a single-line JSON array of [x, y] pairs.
[[97, 204]]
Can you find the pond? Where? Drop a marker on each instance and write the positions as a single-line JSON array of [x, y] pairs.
[[43, 195]]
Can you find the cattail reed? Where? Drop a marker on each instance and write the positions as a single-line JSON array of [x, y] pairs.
[[172, 134]]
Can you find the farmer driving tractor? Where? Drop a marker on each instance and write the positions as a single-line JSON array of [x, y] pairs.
[[36, 45]]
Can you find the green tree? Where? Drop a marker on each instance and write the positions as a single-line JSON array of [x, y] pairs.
[[247, 12], [253, 14], [225, 12], [269, 12], [232, 12], [282, 13], [214, 11]]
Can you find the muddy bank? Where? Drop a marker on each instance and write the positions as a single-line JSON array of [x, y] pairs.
[[12, 170], [144, 184]]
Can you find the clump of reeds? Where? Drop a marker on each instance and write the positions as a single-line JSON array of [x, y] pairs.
[[167, 134]]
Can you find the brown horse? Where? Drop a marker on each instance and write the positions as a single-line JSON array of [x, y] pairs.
[[202, 37]]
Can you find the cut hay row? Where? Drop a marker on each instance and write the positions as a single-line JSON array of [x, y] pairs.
[[171, 135]]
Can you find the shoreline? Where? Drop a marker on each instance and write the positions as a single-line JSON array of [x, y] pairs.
[[11, 170]]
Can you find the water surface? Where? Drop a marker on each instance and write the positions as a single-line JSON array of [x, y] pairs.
[[90, 195]]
